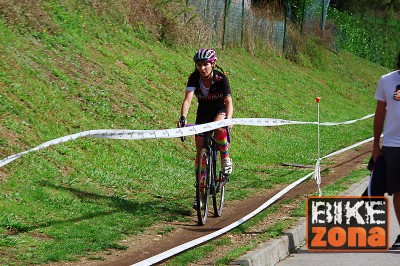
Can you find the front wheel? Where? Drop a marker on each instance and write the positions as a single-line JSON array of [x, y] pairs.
[[219, 195], [204, 169]]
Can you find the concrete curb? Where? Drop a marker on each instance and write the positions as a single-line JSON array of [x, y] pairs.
[[271, 252]]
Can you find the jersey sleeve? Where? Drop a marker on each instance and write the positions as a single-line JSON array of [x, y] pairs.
[[379, 93], [227, 87], [192, 82], [192, 89]]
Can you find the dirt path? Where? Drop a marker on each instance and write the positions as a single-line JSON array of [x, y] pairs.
[[149, 243]]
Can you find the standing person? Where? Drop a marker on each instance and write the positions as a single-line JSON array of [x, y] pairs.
[[387, 119], [213, 92]]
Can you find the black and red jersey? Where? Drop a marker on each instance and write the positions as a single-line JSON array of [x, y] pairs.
[[212, 102]]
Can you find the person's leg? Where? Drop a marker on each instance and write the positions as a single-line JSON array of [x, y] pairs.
[[221, 137], [392, 156], [201, 118], [199, 144], [396, 204]]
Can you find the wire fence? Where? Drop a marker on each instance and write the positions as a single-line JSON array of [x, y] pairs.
[[315, 13], [234, 23]]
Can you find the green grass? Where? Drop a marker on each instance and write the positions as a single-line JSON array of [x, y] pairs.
[[78, 69]]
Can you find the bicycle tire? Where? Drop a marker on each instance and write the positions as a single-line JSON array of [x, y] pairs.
[[203, 193], [219, 195]]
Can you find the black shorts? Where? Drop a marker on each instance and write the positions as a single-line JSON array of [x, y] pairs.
[[392, 160], [207, 117]]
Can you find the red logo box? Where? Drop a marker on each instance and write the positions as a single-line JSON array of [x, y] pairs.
[[345, 223]]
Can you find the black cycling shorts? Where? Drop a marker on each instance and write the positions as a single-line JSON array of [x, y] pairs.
[[207, 117], [392, 159]]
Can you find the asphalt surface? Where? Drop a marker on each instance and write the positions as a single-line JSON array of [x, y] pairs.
[[290, 249]]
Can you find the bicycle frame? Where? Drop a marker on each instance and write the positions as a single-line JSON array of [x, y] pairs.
[[212, 149], [210, 185], [213, 186]]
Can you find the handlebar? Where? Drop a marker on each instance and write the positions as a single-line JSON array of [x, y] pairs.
[[182, 123]]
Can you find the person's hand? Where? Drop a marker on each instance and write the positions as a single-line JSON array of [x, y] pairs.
[[182, 121], [230, 126], [376, 152]]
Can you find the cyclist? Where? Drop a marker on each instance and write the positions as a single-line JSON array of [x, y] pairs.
[[213, 92]]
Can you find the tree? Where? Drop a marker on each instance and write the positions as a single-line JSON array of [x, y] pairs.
[[295, 7], [381, 8]]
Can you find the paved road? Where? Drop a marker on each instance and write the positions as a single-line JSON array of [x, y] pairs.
[[303, 257]]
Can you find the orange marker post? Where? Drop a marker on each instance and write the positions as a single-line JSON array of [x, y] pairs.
[[317, 171]]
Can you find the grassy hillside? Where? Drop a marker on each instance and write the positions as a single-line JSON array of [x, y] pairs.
[[65, 67]]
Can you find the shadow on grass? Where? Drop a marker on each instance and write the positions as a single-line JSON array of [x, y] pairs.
[[117, 203]]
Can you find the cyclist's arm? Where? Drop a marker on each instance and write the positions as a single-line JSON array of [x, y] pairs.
[[186, 103], [229, 107]]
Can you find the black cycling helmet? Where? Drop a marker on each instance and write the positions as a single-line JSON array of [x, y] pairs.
[[205, 55]]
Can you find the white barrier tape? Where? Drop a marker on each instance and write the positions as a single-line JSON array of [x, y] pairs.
[[348, 148], [317, 176], [317, 171], [169, 253], [346, 122], [176, 250], [168, 133]]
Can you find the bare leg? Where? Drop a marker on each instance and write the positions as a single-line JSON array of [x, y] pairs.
[[220, 135], [396, 204], [199, 144]]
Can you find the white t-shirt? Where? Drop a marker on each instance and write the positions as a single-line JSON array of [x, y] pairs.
[[388, 90]]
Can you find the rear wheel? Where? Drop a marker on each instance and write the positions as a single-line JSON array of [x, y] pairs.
[[203, 186]]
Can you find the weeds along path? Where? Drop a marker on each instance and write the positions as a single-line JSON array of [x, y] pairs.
[[150, 243]]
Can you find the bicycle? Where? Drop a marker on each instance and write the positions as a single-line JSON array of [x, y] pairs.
[[212, 184]]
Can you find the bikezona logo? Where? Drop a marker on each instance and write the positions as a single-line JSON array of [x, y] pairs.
[[342, 224]]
